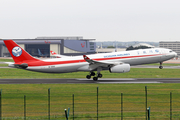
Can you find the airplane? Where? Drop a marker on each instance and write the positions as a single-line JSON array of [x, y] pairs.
[[57, 55], [116, 62], [42, 55]]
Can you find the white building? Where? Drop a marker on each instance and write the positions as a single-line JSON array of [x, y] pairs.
[[173, 45]]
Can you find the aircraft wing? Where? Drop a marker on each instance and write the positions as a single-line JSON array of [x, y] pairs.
[[93, 64]]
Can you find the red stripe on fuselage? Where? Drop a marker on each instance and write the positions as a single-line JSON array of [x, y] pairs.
[[45, 63]]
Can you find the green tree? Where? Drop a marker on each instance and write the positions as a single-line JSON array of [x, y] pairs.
[[136, 48], [110, 47]]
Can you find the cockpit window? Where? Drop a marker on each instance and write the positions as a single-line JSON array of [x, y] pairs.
[[170, 51]]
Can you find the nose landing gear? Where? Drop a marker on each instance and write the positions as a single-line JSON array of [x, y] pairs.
[[160, 67]]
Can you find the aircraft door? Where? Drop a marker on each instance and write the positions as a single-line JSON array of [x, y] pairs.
[[163, 54]]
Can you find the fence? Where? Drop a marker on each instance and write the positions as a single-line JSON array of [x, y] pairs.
[[102, 106]]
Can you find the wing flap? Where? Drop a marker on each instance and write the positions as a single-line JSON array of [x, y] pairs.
[[93, 64]]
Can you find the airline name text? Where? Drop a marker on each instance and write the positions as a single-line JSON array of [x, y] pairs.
[[126, 54]]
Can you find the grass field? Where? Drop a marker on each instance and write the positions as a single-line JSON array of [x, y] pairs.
[[86, 101], [85, 96], [6, 60], [134, 73]]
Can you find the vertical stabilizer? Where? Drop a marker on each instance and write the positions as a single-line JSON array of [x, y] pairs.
[[18, 54]]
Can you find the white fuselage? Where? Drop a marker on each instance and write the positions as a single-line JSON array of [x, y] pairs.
[[134, 57]]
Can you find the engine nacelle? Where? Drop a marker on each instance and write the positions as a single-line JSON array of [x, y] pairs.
[[120, 68]]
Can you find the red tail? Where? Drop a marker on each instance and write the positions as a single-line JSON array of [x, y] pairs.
[[18, 54], [53, 53]]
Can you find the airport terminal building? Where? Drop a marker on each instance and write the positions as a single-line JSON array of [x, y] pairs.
[[70, 46], [173, 45]]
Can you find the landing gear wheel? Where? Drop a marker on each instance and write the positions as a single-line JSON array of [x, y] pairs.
[[100, 75], [88, 76], [92, 74], [160, 67], [95, 78]]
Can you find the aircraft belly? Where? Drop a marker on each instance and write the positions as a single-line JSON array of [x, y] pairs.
[[166, 57], [57, 68]]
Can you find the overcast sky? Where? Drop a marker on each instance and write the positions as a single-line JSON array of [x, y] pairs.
[[103, 20]]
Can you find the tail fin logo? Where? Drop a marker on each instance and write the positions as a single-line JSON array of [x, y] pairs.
[[17, 51]]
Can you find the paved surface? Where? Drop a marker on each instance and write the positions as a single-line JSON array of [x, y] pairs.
[[154, 66], [101, 80]]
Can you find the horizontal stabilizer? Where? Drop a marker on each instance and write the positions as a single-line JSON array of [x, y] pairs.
[[23, 65]]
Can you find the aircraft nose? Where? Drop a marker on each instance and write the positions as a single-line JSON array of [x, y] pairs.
[[175, 54]]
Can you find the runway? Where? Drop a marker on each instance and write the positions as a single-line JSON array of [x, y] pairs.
[[85, 81]]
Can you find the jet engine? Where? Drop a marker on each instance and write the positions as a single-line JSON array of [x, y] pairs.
[[120, 68]]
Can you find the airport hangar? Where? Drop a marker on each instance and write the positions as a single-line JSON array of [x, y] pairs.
[[70, 46]]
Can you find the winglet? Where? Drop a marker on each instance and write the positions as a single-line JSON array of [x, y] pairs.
[[53, 53], [85, 57]]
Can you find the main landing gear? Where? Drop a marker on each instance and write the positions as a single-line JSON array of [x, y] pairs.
[[91, 74], [160, 67], [95, 78]]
